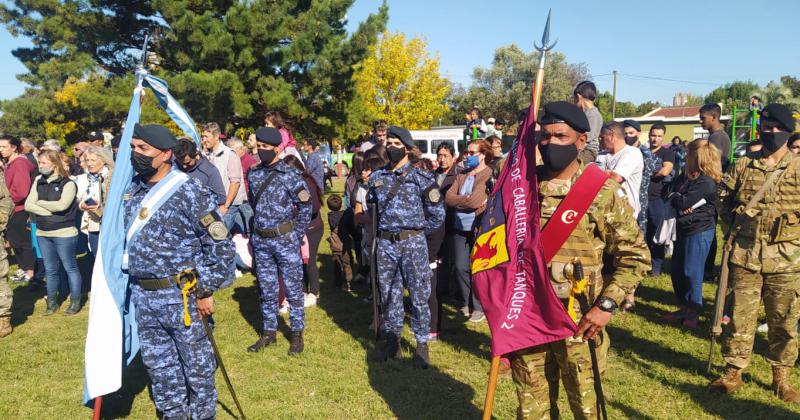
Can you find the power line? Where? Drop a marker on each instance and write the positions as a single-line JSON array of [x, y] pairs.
[[665, 79]]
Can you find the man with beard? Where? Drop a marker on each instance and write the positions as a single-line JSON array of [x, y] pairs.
[[608, 226], [189, 160]]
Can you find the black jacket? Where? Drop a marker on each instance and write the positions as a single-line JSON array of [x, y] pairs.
[[687, 195]]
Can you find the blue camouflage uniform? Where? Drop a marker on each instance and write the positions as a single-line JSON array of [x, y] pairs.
[[417, 209], [652, 164], [179, 359], [285, 199]]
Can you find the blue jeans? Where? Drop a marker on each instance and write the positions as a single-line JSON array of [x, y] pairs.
[[94, 240], [58, 252], [656, 213], [230, 217], [688, 266]]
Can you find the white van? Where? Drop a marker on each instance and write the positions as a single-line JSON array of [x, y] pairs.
[[429, 140]]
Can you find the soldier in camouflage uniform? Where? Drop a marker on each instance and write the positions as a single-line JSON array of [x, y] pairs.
[[6, 295], [607, 226], [765, 259], [185, 233], [409, 207], [282, 205]]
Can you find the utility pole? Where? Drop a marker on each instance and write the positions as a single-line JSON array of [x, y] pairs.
[[614, 97]]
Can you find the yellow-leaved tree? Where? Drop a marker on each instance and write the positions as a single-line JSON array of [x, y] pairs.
[[400, 82]]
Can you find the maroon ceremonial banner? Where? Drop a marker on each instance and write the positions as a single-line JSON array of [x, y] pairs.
[[508, 264]]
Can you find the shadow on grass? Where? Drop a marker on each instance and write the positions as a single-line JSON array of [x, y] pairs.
[[715, 404], [24, 302], [408, 392], [134, 381], [249, 299]]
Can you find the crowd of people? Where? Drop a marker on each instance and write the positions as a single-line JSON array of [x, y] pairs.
[[405, 222]]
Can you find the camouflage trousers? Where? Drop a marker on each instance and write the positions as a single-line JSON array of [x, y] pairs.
[[179, 359], [274, 256], [536, 372], [780, 295], [6, 295], [405, 263]]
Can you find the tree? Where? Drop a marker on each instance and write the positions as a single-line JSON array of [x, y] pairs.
[[734, 94], [646, 107], [603, 103], [400, 83], [505, 88], [226, 61], [779, 93]]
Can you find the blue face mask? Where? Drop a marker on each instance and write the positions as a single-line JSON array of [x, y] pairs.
[[471, 162]]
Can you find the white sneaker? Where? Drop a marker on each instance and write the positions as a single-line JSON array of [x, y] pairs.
[[284, 308], [310, 300], [238, 273], [763, 328]]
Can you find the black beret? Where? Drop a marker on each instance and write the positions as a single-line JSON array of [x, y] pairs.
[[565, 112], [633, 124], [500, 121], [268, 135], [779, 114], [402, 134], [155, 135]]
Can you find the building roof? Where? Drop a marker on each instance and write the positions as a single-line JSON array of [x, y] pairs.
[[674, 112]]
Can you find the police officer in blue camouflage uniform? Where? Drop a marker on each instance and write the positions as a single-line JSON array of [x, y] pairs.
[[180, 254], [409, 207], [282, 205]]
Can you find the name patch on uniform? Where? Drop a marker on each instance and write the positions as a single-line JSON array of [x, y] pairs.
[[216, 229], [303, 196]]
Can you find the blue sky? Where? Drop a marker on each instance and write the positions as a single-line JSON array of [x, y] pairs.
[[705, 42]]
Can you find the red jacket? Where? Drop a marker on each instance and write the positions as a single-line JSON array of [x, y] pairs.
[[18, 180]]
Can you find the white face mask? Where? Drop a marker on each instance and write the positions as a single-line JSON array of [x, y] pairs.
[[46, 171]]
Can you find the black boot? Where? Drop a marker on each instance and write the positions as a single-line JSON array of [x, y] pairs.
[[74, 307], [296, 343], [421, 359], [389, 346], [52, 306], [267, 338]]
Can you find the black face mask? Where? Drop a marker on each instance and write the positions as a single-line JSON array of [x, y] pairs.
[[774, 141], [143, 165], [266, 156], [396, 154], [630, 140], [557, 157]]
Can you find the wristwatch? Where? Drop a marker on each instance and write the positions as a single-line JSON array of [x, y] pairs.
[[203, 293], [606, 304]]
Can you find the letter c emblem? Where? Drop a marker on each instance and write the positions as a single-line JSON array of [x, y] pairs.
[[568, 216]]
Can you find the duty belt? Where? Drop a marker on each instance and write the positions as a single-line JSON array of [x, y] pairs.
[[282, 229], [186, 281], [165, 282], [399, 236]]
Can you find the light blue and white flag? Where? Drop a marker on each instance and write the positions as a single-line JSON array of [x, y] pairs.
[[111, 338]]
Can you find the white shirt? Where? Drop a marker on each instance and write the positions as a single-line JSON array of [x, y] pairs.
[[628, 164], [229, 166]]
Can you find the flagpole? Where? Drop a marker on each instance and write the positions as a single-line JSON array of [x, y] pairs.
[[546, 46]]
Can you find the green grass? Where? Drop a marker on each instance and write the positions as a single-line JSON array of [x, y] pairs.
[[655, 370]]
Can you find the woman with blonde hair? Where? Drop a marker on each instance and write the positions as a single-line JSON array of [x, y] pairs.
[[93, 186], [695, 204], [52, 201]]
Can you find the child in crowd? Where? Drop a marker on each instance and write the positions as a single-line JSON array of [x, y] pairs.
[[340, 244], [695, 204]]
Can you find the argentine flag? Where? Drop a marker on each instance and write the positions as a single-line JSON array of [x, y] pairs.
[[111, 338]]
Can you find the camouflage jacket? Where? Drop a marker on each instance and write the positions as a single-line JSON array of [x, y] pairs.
[[6, 204], [608, 226], [768, 237]]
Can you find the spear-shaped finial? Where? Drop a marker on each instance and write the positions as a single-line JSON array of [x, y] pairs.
[[546, 45]]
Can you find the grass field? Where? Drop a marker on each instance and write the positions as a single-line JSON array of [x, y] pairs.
[[655, 370]]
